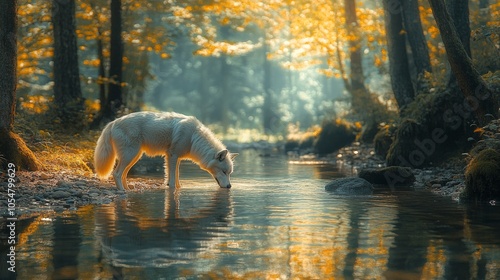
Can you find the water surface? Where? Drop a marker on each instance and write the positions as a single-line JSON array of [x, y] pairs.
[[277, 222]]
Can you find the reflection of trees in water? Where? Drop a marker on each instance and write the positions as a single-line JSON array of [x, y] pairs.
[[434, 239], [155, 232], [66, 247], [288, 235]]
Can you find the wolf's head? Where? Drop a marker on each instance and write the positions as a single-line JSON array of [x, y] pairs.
[[221, 167]]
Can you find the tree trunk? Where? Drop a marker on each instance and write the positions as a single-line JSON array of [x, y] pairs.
[[398, 59], [478, 96], [357, 76], [459, 12], [267, 106], [115, 98], [8, 62], [223, 106], [67, 91], [12, 147], [357, 87], [343, 75], [417, 40], [102, 72], [484, 12], [203, 88]]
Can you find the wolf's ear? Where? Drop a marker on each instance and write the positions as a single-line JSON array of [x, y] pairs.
[[233, 155], [221, 155]]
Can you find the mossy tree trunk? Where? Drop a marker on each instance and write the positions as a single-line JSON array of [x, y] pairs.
[[478, 96], [364, 105], [398, 58], [12, 147], [459, 12], [67, 90]]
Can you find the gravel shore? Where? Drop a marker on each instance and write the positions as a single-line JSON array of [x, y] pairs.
[[43, 191]]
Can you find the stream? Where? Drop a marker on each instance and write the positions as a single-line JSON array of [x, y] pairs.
[[277, 222]]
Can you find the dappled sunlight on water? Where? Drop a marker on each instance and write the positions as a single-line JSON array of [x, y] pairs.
[[277, 222]]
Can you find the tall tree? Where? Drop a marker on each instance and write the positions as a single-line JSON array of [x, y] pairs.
[[267, 106], [12, 147], [357, 87], [484, 12], [67, 91], [115, 98], [459, 12], [398, 58], [101, 69], [416, 39], [478, 95]]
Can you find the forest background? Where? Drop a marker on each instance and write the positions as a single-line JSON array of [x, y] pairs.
[[252, 69]]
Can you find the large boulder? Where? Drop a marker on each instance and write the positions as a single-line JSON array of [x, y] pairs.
[[482, 176], [392, 176], [350, 186]]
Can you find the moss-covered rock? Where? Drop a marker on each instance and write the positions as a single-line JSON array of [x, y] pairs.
[[302, 145], [404, 150], [482, 176], [383, 140], [368, 132], [302, 142], [334, 135], [350, 186], [435, 126]]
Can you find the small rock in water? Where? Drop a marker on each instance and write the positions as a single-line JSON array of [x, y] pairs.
[[350, 186], [392, 175], [60, 194]]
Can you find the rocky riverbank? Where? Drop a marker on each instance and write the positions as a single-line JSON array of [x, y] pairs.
[[446, 180], [44, 191]]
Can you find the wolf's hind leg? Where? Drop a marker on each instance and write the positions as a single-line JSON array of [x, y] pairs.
[[125, 162]]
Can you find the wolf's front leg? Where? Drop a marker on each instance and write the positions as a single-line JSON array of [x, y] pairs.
[[173, 171]]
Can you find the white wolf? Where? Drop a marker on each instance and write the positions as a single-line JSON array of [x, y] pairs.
[[173, 135]]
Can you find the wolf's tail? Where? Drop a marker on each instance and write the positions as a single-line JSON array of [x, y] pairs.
[[104, 154]]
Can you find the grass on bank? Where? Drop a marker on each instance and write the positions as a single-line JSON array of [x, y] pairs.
[[58, 150]]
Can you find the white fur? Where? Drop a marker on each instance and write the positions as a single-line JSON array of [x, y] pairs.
[[174, 135]]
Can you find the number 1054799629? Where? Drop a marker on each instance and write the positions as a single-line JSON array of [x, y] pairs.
[[11, 189]]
